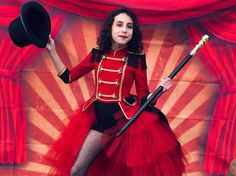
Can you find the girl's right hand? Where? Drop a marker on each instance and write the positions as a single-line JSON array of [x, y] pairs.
[[166, 83]]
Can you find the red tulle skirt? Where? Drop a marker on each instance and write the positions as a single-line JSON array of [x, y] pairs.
[[147, 148]]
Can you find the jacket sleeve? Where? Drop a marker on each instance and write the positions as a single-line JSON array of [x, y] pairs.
[[84, 67], [78, 71], [141, 84], [140, 77]]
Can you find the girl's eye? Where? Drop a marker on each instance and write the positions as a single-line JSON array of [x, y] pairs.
[[119, 24], [130, 26]]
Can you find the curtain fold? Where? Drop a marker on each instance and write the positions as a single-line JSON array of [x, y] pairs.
[[12, 115], [8, 13], [12, 118], [222, 24], [148, 11], [219, 59]]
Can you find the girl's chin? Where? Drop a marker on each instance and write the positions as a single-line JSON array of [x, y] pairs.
[[122, 43]]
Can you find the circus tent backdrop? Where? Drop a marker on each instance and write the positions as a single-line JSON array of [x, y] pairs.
[[35, 104]]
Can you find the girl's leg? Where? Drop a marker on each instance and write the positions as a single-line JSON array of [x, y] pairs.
[[90, 149]]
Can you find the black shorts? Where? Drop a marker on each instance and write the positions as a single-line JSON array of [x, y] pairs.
[[105, 115]]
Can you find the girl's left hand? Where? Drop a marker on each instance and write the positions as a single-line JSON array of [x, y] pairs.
[[51, 44], [166, 83]]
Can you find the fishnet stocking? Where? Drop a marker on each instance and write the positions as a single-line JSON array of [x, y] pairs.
[[90, 149]]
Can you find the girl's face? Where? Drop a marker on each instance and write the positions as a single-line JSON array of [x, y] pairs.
[[121, 30]]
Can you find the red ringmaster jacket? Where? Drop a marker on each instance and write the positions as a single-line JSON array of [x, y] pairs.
[[115, 73]]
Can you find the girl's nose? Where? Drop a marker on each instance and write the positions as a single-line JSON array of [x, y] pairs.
[[124, 29]]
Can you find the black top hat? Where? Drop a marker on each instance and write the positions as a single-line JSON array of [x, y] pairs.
[[33, 26]]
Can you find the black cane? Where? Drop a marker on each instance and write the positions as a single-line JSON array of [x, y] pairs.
[[160, 88]]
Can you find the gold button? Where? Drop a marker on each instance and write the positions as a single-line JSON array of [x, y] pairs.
[[100, 81], [114, 96], [117, 83], [99, 94], [100, 69], [119, 70], [124, 59]]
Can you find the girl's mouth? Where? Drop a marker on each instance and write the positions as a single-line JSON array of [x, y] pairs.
[[123, 36]]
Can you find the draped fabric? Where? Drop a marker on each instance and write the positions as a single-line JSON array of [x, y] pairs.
[[222, 24], [12, 115], [219, 58], [149, 11], [215, 17], [12, 118]]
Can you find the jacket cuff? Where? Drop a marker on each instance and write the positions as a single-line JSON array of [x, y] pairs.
[[64, 75]]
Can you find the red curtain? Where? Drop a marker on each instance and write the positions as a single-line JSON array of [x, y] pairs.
[[215, 17], [222, 24], [149, 11], [220, 59], [12, 115]]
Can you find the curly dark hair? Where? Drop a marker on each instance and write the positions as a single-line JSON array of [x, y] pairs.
[[104, 40]]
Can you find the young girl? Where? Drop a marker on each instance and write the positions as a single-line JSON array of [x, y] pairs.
[[88, 145]]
